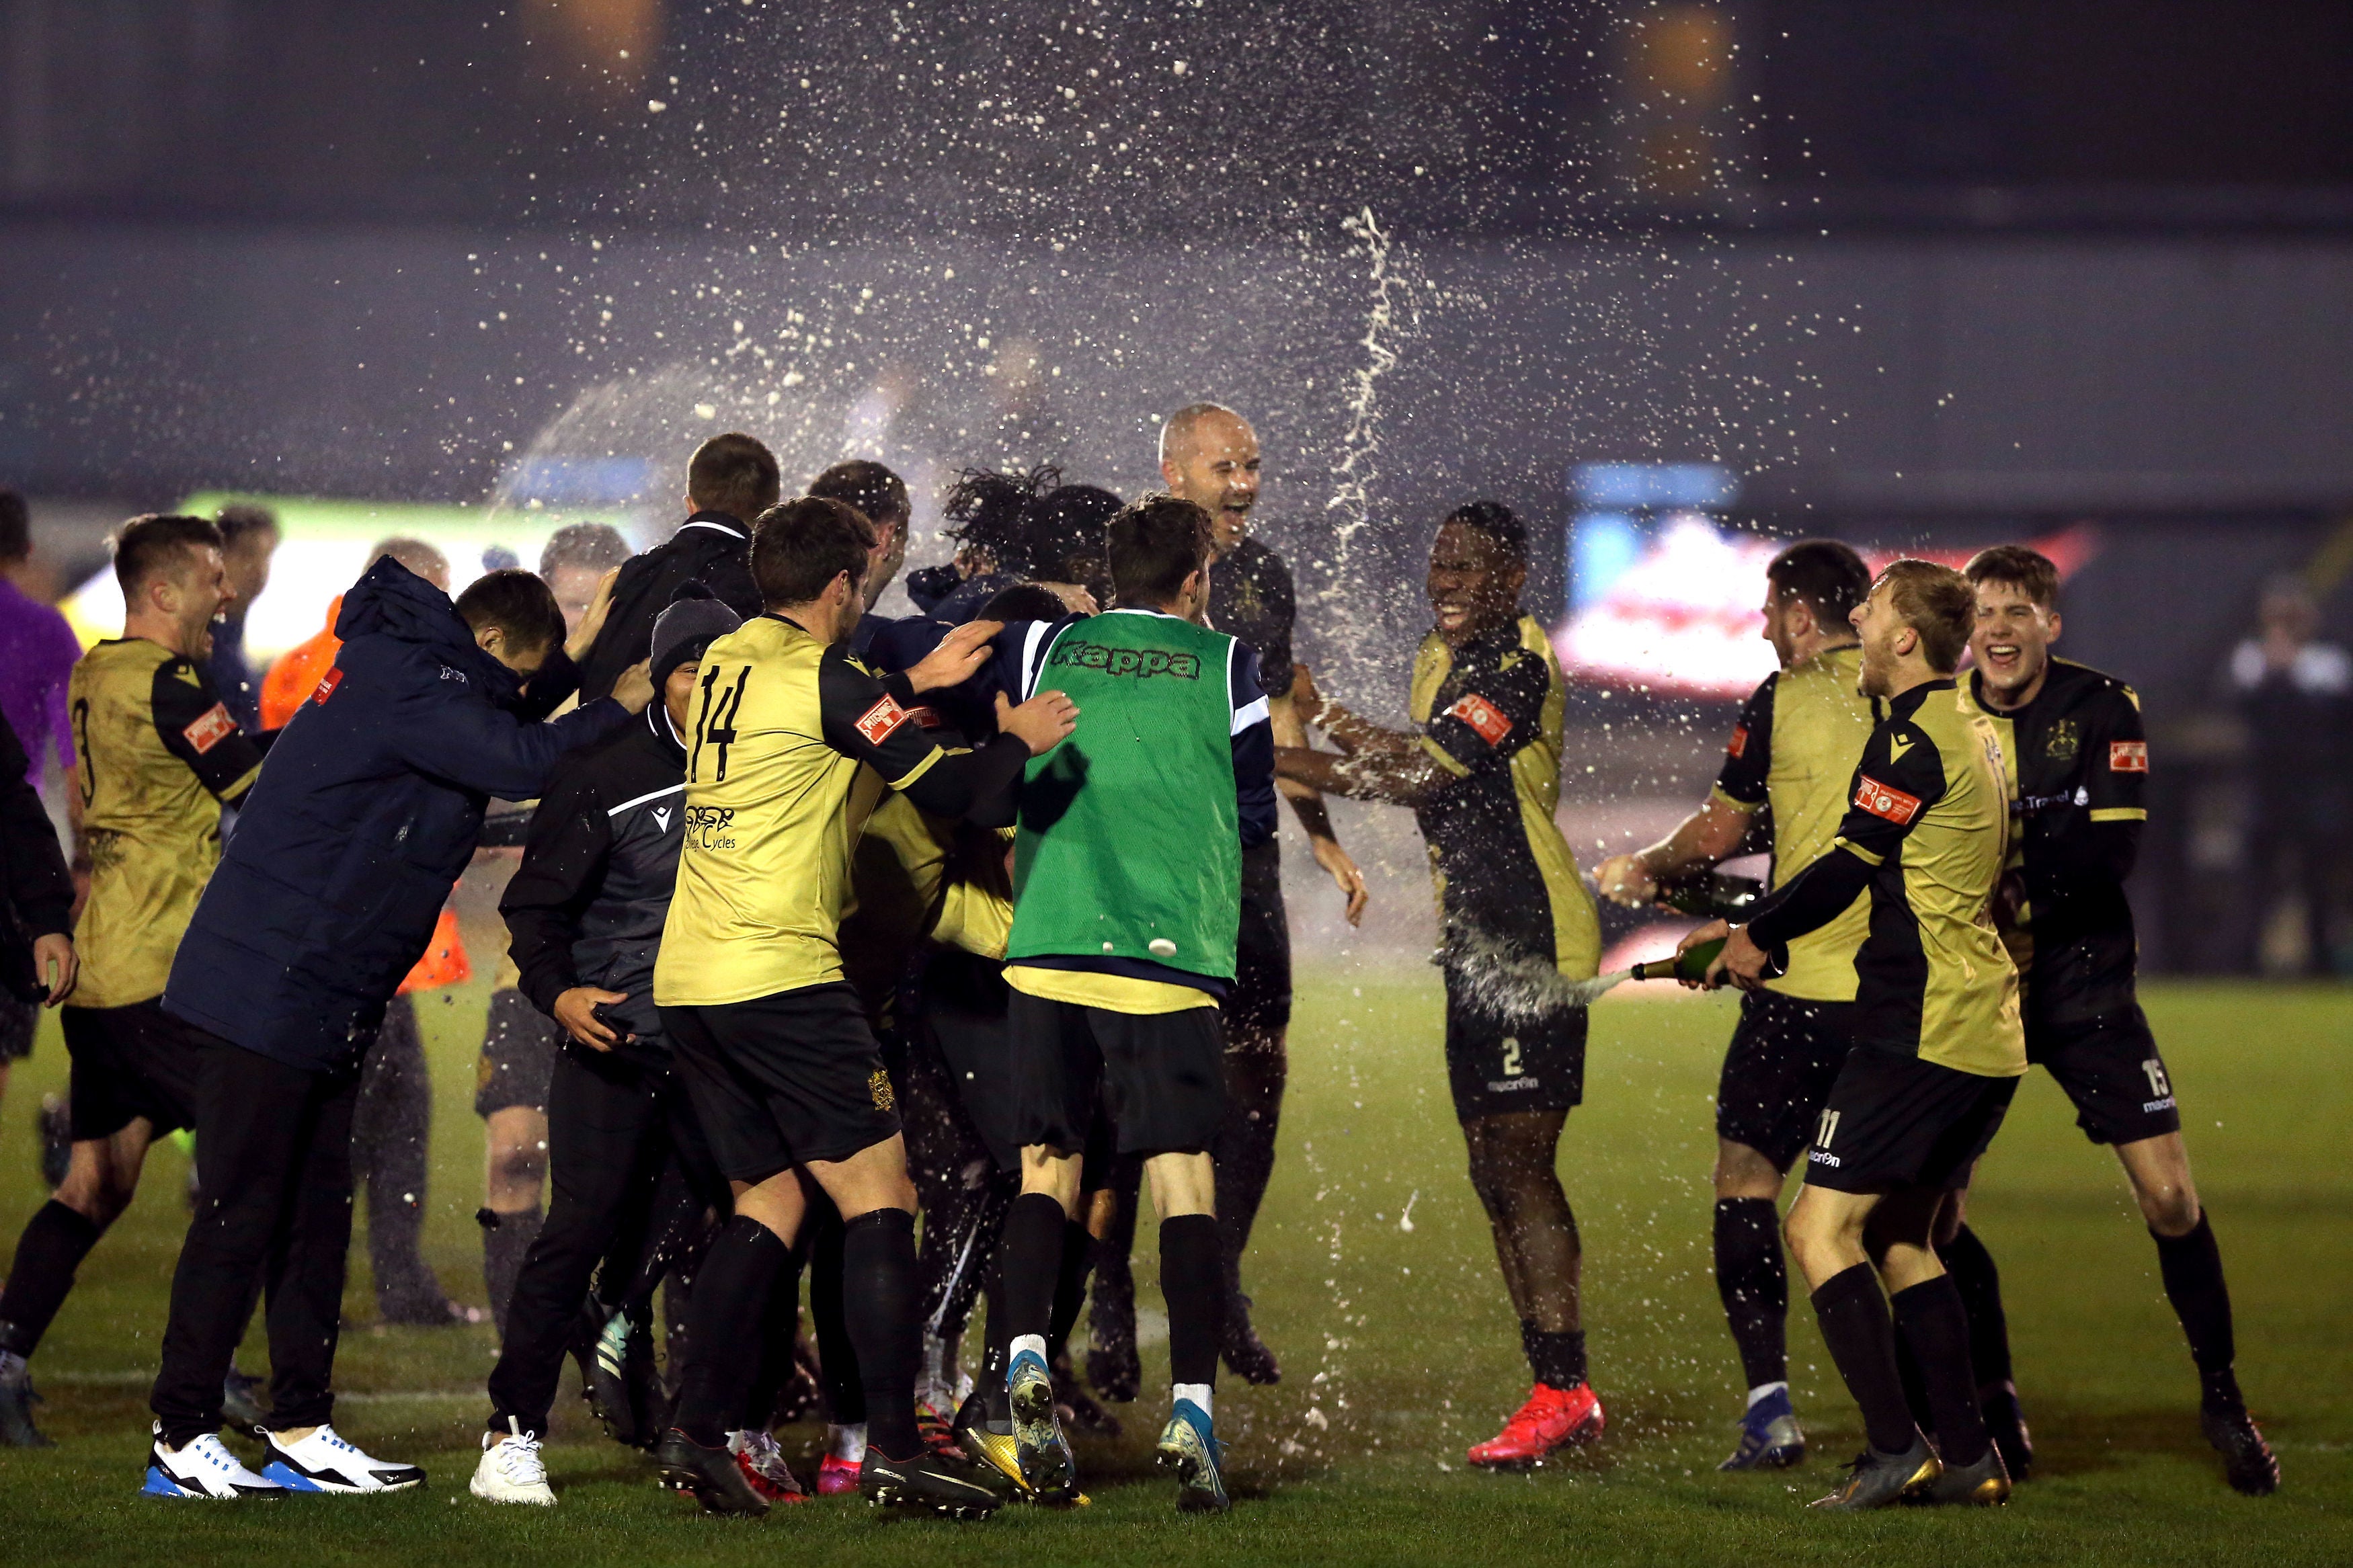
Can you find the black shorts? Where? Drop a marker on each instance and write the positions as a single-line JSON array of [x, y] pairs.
[[1260, 1002], [784, 1080], [1778, 1072], [962, 1015], [1501, 1060], [1161, 1076], [518, 1049], [1894, 1120], [2111, 1070], [130, 1062], [19, 1021]]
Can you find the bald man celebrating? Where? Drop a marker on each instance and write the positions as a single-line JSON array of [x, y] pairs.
[[1209, 455]]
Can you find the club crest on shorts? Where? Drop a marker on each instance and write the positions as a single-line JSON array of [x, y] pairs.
[[878, 1084]]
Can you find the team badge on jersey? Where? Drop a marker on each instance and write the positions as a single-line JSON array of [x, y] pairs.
[[209, 730], [878, 722], [2127, 756], [1483, 717], [2064, 742], [1890, 804]]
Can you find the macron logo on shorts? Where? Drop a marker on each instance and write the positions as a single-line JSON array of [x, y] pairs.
[[1890, 804], [1483, 717], [2127, 756], [209, 731], [878, 722]]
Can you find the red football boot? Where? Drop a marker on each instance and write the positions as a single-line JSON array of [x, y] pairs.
[[1552, 1418], [764, 1467], [836, 1475]]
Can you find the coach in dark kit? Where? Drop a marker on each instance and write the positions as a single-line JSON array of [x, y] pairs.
[[343, 859], [730, 480]]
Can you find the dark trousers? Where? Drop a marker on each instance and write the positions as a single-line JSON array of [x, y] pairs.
[[274, 1157], [389, 1128], [611, 1127]]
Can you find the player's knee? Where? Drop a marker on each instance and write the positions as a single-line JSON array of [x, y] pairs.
[[2171, 1208], [518, 1165]]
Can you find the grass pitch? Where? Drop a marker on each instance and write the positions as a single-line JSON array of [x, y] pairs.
[[1375, 1284]]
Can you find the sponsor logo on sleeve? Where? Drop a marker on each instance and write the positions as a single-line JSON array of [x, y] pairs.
[[326, 687], [878, 722], [1739, 744], [209, 731], [1893, 805], [2127, 756], [1484, 718]]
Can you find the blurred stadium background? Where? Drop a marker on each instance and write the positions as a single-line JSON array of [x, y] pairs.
[[1676, 279]]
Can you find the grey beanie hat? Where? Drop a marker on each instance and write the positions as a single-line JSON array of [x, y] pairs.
[[691, 622]]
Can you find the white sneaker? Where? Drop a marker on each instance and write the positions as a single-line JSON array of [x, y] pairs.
[[511, 1470], [323, 1462], [205, 1468]]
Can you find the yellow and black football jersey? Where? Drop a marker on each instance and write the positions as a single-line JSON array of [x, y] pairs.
[[158, 755], [1491, 714], [2077, 761], [1794, 749], [791, 747], [1926, 828]]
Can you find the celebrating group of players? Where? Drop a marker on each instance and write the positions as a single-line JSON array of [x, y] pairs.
[[976, 914]]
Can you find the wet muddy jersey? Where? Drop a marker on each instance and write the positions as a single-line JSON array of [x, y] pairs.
[[1794, 749], [1508, 887], [2076, 760], [158, 754], [1926, 829]]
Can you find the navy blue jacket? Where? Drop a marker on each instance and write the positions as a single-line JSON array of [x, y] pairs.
[[365, 812]]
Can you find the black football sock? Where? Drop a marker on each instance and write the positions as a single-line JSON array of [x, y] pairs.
[[1915, 1387], [1862, 1341], [837, 1356], [506, 1241], [779, 1329], [1933, 1320], [731, 1301], [1556, 1360], [997, 1339], [1069, 1288], [1034, 1232], [2191, 1267], [1193, 1281], [1980, 1282], [55, 1241], [880, 1292], [1754, 1283]]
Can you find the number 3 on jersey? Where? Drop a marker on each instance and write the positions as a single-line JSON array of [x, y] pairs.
[[716, 720]]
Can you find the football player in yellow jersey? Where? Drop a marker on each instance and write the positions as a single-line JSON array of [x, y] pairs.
[[1938, 1047], [1482, 775], [159, 753], [1791, 755], [792, 744]]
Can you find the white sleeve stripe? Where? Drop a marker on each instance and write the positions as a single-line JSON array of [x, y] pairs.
[[641, 800], [1033, 656], [1246, 717]]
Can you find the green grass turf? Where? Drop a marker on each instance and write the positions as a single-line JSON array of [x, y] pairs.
[[1398, 1346]]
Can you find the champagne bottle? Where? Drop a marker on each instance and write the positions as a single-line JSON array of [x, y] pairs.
[[1710, 894], [1691, 964]]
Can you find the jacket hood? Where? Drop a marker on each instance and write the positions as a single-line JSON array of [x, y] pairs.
[[390, 601]]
